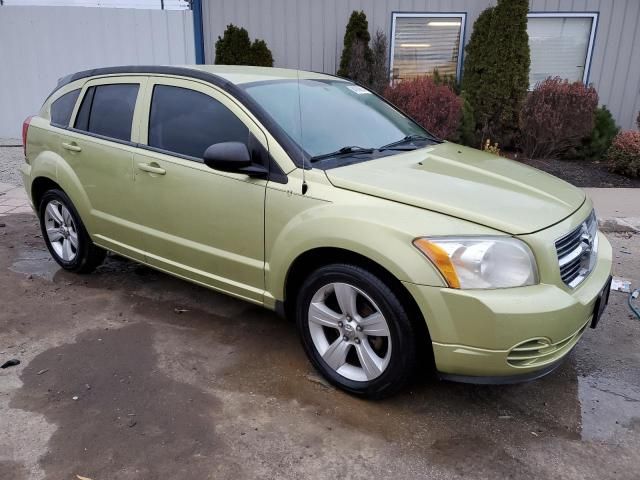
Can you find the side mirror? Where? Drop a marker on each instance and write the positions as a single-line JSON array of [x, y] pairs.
[[227, 156], [232, 157]]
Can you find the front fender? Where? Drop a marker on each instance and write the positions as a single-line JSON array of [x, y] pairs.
[[348, 229], [381, 233], [376, 228]]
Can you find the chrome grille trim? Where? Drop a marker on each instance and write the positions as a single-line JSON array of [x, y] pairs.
[[577, 251]]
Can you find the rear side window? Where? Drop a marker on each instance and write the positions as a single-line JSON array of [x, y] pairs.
[[187, 122], [62, 108], [107, 110]]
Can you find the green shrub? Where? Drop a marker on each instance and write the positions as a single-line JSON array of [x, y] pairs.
[[496, 69], [466, 134], [595, 146], [235, 48], [260, 54], [624, 154], [356, 38], [446, 79]]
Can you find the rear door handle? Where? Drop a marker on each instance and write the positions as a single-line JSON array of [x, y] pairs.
[[146, 167], [72, 147]]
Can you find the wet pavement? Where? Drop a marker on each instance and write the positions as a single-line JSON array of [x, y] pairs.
[[128, 373]]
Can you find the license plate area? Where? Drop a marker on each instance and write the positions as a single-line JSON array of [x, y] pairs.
[[601, 303]]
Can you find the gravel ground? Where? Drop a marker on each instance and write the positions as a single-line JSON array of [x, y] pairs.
[[10, 160]]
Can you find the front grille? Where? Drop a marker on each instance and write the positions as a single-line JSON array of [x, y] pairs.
[[577, 251]]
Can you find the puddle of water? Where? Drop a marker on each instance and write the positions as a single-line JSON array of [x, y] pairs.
[[610, 408], [36, 262]]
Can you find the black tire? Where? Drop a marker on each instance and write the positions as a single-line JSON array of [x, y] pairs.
[[402, 332], [88, 256]]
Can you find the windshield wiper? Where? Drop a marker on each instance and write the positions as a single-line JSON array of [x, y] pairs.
[[408, 139], [343, 151]]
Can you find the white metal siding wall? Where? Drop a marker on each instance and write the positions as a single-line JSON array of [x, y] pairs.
[[308, 34], [38, 45]]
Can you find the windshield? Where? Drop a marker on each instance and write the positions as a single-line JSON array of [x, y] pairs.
[[325, 116]]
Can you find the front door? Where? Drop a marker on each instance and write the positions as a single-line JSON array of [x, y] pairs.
[[199, 223]]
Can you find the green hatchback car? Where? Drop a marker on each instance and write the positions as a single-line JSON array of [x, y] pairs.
[[314, 197]]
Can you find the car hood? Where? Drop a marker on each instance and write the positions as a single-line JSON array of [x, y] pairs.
[[465, 183]]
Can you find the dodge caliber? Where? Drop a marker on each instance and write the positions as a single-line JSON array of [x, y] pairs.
[[391, 250]]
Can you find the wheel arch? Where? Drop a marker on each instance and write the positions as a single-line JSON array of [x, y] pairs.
[[50, 170], [39, 186], [310, 260]]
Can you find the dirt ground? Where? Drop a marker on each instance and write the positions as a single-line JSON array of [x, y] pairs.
[[131, 374]]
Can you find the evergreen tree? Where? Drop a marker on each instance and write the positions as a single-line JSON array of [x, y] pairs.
[[235, 48], [496, 69], [260, 54], [357, 33], [379, 71]]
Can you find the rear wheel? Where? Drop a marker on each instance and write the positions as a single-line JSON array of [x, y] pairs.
[[355, 331], [65, 234]]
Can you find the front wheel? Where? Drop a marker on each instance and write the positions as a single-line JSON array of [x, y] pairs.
[[356, 331]]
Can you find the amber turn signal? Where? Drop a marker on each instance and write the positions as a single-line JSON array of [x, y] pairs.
[[440, 259]]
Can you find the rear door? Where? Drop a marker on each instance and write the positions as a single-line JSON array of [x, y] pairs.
[[199, 223], [99, 147]]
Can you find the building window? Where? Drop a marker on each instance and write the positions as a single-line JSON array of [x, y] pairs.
[[561, 45], [424, 42]]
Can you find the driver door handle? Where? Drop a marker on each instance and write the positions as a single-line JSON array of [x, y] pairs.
[[147, 167]]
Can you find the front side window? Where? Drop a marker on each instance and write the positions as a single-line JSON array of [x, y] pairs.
[[187, 122], [423, 42], [62, 108], [323, 116], [107, 110], [560, 45]]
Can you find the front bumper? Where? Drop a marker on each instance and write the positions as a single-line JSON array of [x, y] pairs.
[[509, 332]]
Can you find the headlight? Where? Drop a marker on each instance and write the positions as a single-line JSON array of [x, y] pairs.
[[481, 262]]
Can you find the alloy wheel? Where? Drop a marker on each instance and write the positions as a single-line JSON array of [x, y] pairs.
[[61, 230], [349, 332]]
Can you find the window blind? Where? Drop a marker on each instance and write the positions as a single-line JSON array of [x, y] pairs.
[[559, 47], [423, 44]]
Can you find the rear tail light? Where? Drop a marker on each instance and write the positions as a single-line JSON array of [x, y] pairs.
[[25, 129]]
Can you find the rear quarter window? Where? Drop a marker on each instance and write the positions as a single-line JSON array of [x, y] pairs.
[[62, 108], [107, 110]]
